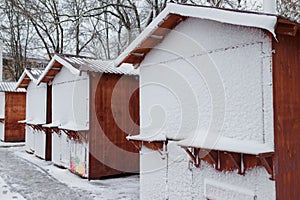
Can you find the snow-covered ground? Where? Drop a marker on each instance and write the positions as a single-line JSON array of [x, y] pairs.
[[6, 192], [24, 176]]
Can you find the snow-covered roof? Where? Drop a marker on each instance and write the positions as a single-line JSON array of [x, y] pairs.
[[147, 138], [89, 64], [27, 76], [227, 144], [10, 87], [173, 14], [77, 64]]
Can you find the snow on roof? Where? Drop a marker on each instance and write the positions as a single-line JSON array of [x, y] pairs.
[[73, 126], [27, 76], [10, 87], [249, 19], [77, 64], [89, 64], [227, 144], [34, 73], [147, 138]]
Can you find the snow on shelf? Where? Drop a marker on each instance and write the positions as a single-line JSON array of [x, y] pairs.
[[52, 125], [35, 122], [22, 121], [72, 126], [228, 144], [147, 138]]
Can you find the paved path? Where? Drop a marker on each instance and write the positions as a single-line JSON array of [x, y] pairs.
[[32, 182]]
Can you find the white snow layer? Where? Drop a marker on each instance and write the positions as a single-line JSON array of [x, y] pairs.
[[217, 78], [257, 20], [147, 138], [70, 99], [2, 105], [115, 188], [227, 144], [176, 178], [70, 110], [52, 124], [73, 126], [36, 111], [36, 103], [61, 149], [7, 193]]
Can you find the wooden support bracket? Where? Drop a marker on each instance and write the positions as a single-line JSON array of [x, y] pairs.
[[267, 162], [194, 156], [237, 162], [137, 144], [212, 158], [71, 134]]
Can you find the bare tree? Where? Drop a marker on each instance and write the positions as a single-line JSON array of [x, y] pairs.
[[102, 28], [45, 19], [289, 9], [16, 37]]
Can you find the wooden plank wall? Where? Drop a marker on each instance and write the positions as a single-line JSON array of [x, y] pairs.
[[15, 110], [106, 138], [286, 98]]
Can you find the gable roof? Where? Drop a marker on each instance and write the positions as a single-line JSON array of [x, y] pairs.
[[173, 14], [10, 87], [27, 76], [78, 64]]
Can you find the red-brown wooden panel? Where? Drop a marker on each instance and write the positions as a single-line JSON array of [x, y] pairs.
[[286, 98], [15, 110], [107, 140]]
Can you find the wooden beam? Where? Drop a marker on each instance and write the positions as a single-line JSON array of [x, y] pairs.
[[213, 158], [285, 27], [267, 162], [136, 144], [237, 162], [193, 157]]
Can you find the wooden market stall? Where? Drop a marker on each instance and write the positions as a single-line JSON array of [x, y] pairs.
[[38, 113], [231, 104], [94, 107], [13, 109]]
